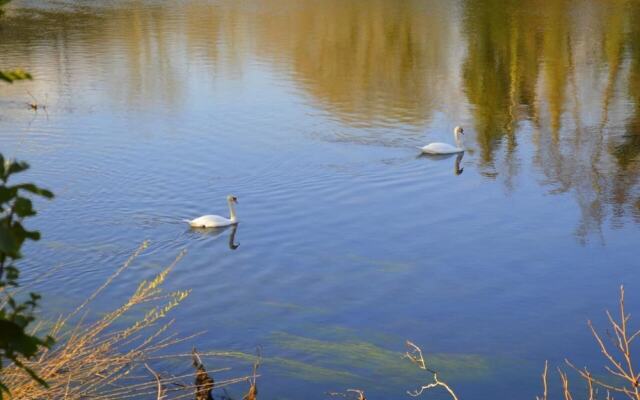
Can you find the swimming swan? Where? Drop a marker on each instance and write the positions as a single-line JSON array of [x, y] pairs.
[[445, 148], [215, 221]]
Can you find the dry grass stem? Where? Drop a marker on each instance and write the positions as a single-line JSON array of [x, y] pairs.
[[105, 359], [252, 394], [160, 394]]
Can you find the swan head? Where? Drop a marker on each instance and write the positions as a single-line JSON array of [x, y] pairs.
[[458, 130], [232, 199]]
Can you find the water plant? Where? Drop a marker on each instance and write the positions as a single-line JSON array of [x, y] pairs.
[[17, 344]]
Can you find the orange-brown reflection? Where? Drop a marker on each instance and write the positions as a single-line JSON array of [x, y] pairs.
[[567, 72], [380, 61]]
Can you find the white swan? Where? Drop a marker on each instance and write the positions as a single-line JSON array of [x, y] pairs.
[[215, 221], [445, 148]]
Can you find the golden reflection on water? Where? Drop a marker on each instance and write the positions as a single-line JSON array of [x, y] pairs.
[[564, 68], [567, 73], [386, 61]]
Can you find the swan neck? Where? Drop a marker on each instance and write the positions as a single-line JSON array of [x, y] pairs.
[[458, 139], [232, 211]]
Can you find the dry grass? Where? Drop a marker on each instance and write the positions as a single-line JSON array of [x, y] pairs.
[[623, 378], [623, 375], [103, 359]]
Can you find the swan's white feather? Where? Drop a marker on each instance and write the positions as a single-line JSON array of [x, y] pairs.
[[216, 221], [441, 148], [211, 221]]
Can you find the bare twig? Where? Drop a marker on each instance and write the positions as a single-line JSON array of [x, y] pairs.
[[359, 392], [544, 381], [415, 356], [620, 364], [565, 385]]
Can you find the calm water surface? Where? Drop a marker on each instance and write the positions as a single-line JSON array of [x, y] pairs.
[[349, 243]]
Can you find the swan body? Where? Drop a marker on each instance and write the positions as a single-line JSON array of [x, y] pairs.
[[446, 148], [210, 221], [216, 221]]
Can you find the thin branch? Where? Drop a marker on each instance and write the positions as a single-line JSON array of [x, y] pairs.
[[544, 381], [160, 394], [415, 356], [565, 385]]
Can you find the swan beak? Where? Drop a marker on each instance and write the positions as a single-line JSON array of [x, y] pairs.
[[235, 200]]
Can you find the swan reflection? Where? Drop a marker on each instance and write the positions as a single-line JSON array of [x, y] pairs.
[[456, 166], [457, 169], [214, 233]]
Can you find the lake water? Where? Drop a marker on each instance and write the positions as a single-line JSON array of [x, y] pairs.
[[350, 243]]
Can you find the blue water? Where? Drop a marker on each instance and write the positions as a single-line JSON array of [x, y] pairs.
[[311, 114]]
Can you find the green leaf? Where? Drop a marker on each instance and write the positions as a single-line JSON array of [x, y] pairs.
[[33, 235], [13, 167], [7, 193], [30, 187], [23, 207], [13, 337], [14, 75], [21, 234], [15, 316], [12, 275], [8, 243], [11, 239]]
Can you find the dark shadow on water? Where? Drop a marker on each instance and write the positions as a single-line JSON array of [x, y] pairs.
[[457, 170], [214, 233]]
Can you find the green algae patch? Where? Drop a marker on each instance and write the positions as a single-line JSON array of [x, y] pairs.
[[295, 307], [341, 333], [312, 373], [297, 369], [377, 362], [381, 265]]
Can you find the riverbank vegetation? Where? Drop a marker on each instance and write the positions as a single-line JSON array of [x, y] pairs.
[[623, 377], [17, 343], [113, 358]]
